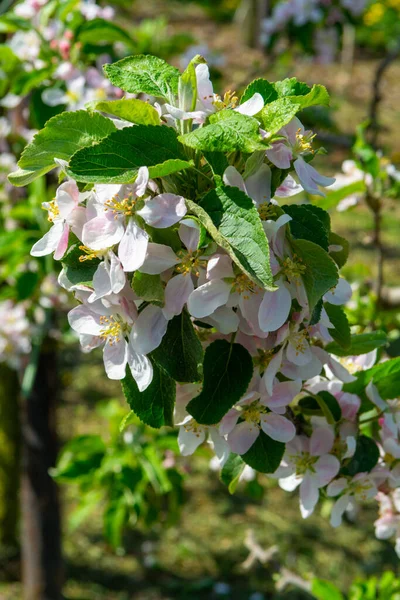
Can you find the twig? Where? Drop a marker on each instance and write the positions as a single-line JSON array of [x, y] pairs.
[[257, 553], [377, 94]]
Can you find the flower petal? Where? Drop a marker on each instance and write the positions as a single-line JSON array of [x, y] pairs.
[[309, 495], [271, 371], [233, 178], [190, 439], [177, 292], [208, 297], [189, 232], [340, 294], [148, 330], [280, 155], [101, 232], [101, 283], [258, 185], [326, 467], [62, 244], [49, 242], [321, 441], [274, 309], [133, 247], [159, 258], [115, 356], [242, 437], [277, 427], [84, 320], [141, 369], [252, 106], [163, 211], [117, 275]]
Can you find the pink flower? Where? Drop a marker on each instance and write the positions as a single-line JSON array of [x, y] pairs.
[[361, 487], [111, 324], [296, 143], [243, 423], [308, 464], [64, 212]]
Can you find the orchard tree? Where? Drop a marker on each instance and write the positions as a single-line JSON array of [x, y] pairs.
[[216, 302]]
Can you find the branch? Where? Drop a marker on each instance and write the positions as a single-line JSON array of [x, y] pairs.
[[377, 95]]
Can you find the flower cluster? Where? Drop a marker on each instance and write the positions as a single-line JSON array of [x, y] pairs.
[[324, 16], [209, 295], [51, 46]]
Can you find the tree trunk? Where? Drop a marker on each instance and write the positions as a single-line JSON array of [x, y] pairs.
[[9, 459], [42, 567]]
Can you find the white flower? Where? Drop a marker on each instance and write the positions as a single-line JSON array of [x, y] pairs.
[[308, 464], [64, 212]]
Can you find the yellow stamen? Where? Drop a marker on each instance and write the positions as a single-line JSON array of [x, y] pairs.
[[126, 206], [52, 209], [190, 263], [243, 285], [304, 142], [193, 427], [111, 329], [263, 358], [89, 253], [252, 414], [299, 341], [293, 267], [228, 101]]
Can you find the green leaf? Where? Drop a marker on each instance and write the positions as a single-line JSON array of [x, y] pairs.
[[130, 109], [341, 329], [231, 471], [180, 353], [277, 114], [260, 86], [10, 22], [227, 369], [228, 131], [324, 590], [128, 419], [291, 87], [154, 406], [118, 157], [339, 256], [329, 403], [144, 74], [359, 344], [322, 214], [79, 457], [187, 86], [100, 32], [217, 161], [265, 455], [30, 80], [321, 272], [301, 93], [386, 377], [61, 137], [115, 517], [232, 220], [333, 198], [253, 163], [26, 284], [306, 225], [364, 458], [76, 271], [148, 287]]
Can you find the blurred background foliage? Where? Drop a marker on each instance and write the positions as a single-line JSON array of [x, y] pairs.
[[139, 521]]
